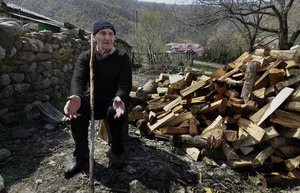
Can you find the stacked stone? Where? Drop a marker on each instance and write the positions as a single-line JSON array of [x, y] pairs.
[[35, 67]]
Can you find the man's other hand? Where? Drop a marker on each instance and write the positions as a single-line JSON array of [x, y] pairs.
[[72, 106]]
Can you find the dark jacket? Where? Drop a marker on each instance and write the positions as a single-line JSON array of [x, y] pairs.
[[112, 76]]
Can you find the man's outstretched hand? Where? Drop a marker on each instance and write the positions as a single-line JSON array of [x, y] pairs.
[[72, 106], [119, 107]]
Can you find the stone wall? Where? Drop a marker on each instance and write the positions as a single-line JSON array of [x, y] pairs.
[[35, 67]]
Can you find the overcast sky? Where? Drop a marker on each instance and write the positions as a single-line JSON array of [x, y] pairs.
[[170, 1]]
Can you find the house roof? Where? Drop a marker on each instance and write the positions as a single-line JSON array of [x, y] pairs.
[[28, 15]]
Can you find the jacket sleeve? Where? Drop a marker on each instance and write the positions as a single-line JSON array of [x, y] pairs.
[[80, 76], [125, 78]]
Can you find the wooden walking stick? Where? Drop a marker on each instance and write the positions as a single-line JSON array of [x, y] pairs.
[[92, 145]]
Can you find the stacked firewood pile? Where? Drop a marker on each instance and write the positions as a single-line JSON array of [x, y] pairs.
[[248, 111]]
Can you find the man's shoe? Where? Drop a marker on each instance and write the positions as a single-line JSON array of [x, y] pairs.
[[75, 168]]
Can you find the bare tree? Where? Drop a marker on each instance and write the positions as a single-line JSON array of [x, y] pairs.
[[251, 13]]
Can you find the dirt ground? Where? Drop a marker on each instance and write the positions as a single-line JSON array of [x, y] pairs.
[[37, 165], [152, 166]]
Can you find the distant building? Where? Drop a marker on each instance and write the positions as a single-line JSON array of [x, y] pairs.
[[184, 48]]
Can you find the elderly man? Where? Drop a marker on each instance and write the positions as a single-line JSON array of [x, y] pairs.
[[112, 85]]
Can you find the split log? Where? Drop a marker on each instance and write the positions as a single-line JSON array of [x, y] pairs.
[[189, 141], [290, 151], [246, 150], [193, 100], [290, 133], [239, 163], [285, 54], [286, 119], [229, 152], [243, 59], [137, 116], [161, 122], [270, 133], [162, 77], [293, 106], [176, 81], [150, 87], [262, 156], [189, 90], [249, 80], [174, 130], [193, 152], [262, 77], [230, 135], [283, 84], [180, 118], [249, 141], [268, 109], [254, 130], [292, 163], [295, 174], [276, 75], [172, 104]]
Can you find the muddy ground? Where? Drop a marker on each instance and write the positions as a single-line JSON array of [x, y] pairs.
[[152, 166]]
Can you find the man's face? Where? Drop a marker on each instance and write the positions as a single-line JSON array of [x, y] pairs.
[[105, 39]]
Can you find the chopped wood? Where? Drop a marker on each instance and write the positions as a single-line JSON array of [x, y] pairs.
[[285, 54], [276, 75], [193, 100], [193, 152], [176, 81], [259, 95], [260, 159], [229, 152], [292, 163], [243, 59], [162, 77], [290, 81], [249, 141], [174, 130], [290, 151], [287, 119], [294, 174], [193, 129], [246, 150], [228, 74], [172, 104], [262, 77], [180, 118], [230, 135], [291, 133], [275, 159], [138, 115], [239, 163], [162, 121], [192, 88], [188, 140], [161, 91], [249, 80], [268, 109], [211, 107], [253, 129], [150, 87], [218, 73], [292, 106], [270, 133], [233, 82]]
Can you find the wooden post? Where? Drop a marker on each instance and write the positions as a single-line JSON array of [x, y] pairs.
[[92, 135]]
